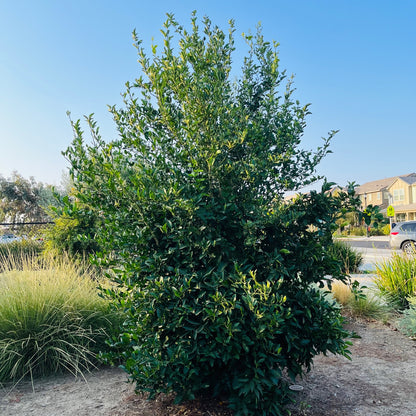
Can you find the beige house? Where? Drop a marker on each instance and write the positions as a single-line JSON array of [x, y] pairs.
[[403, 192], [399, 191]]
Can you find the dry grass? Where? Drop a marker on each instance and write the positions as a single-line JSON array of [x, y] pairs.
[[368, 306]]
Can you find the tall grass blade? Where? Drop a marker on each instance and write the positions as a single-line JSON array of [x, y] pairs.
[[52, 318], [396, 279]]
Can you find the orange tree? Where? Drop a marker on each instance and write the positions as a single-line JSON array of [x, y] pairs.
[[218, 276]]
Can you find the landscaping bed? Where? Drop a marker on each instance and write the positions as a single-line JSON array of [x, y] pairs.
[[380, 380]]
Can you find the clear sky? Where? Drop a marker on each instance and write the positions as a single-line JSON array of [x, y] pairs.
[[353, 60]]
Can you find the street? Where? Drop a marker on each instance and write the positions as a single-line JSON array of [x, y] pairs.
[[370, 242], [375, 250]]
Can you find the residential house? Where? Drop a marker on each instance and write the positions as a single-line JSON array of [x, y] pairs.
[[403, 192], [334, 190], [399, 191]]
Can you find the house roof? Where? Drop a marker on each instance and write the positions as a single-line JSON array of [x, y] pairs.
[[383, 184], [410, 180], [404, 208]]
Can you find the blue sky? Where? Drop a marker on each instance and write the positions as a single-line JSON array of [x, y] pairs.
[[353, 60]]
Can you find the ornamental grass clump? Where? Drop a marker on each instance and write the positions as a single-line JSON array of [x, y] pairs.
[[51, 318], [350, 259], [396, 279], [12, 252], [366, 305]]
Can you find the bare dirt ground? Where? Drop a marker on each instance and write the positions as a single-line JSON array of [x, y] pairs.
[[380, 380]]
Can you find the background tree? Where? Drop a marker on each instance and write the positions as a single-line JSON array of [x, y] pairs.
[[217, 274], [372, 217], [21, 199], [25, 200]]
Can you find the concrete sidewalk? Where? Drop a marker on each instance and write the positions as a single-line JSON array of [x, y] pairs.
[[364, 279], [364, 238]]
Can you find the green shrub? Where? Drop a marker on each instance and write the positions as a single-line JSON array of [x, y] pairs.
[[51, 319], [216, 270], [377, 231], [358, 231], [396, 279], [349, 258], [407, 323], [362, 231], [73, 234]]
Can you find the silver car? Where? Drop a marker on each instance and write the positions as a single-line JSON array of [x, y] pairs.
[[403, 236]]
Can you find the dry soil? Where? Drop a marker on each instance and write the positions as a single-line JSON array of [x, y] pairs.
[[380, 380]]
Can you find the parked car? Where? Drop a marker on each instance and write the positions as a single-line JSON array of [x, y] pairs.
[[9, 238], [403, 236]]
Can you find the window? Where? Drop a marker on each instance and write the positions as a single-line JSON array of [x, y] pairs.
[[369, 197], [401, 217], [409, 228], [378, 196], [414, 194], [398, 195]]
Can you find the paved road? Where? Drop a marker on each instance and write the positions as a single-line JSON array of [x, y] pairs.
[[375, 250], [368, 243]]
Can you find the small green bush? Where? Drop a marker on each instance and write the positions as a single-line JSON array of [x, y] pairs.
[[396, 279], [377, 232], [357, 231], [407, 324], [350, 259], [362, 231], [51, 319], [74, 236]]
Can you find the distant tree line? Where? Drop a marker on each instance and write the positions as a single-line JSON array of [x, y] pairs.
[[26, 200], [68, 227]]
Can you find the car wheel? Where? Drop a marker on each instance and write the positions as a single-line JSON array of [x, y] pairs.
[[409, 247]]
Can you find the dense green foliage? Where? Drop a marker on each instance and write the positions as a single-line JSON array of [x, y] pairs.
[[396, 279], [217, 274], [369, 222], [372, 216], [364, 231], [73, 231], [51, 318], [350, 259]]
